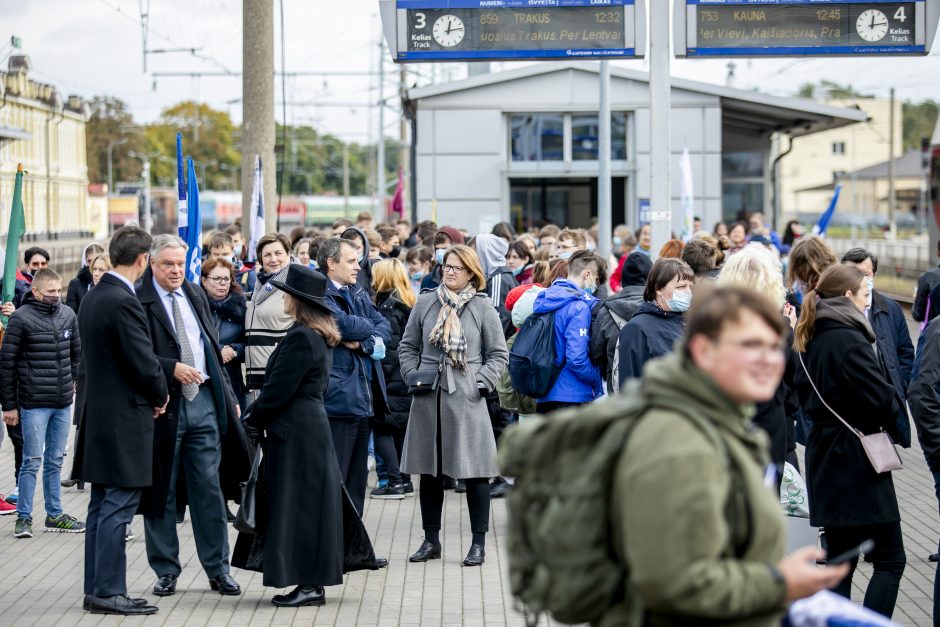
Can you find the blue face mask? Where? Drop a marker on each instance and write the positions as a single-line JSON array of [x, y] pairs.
[[566, 255], [439, 255], [417, 276], [798, 291], [518, 271], [590, 289], [680, 301], [618, 241]]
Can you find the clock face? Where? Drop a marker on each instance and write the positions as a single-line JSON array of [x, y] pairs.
[[872, 25], [448, 30]]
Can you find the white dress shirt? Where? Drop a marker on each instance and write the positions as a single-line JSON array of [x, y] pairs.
[[193, 330]]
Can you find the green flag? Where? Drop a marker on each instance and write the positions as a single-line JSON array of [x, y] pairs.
[[16, 231]]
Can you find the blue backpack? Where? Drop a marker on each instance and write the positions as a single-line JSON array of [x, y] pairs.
[[532, 367]]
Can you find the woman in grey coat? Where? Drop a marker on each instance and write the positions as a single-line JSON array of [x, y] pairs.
[[456, 329]]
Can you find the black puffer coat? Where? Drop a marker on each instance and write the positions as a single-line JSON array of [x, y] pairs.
[[39, 356], [399, 402]]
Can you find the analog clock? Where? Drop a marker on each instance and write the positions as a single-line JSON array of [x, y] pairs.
[[448, 30], [872, 25]]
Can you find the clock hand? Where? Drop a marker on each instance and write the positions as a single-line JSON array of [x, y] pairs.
[[449, 22], [872, 20]]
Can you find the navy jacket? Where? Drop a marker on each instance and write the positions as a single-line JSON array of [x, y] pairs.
[[896, 352], [924, 394], [650, 333], [351, 390], [926, 284]]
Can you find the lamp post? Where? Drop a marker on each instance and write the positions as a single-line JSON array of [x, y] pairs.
[[111, 146]]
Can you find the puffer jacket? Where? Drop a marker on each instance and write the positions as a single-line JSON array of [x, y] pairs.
[[652, 332], [399, 402], [580, 380], [39, 356]]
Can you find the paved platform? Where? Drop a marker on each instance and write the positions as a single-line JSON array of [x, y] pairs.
[[40, 578]]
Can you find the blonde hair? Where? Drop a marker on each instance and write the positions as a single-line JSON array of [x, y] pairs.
[[468, 257], [103, 257], [758, 269], [389, 275]]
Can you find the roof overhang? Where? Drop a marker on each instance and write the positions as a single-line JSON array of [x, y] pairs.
[[11, 132]]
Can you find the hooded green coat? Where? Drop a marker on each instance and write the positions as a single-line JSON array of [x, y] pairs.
[[700, 544]]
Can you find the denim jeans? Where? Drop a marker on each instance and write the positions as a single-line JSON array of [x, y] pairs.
[[45, 434], [935, 471]]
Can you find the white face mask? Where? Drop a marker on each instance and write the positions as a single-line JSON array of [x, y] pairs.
[[871, 289]]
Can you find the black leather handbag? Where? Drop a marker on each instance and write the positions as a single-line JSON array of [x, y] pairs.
[[422, 381], [246, 519]]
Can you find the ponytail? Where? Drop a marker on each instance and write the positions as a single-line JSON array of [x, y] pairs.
[[806, 326]]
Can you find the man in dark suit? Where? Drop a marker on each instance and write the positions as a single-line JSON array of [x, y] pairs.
[[202, 432], [120, 402]]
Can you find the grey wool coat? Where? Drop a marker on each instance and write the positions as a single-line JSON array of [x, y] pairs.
[[468, 448]]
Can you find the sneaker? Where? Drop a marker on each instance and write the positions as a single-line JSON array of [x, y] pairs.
[[6, 508], [389, 492], [23, 528], [129, 534], [382, 483], [409, 488], [65, 524], [12, 496]]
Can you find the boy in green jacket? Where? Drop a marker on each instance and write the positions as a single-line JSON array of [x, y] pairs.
[[702, 534]]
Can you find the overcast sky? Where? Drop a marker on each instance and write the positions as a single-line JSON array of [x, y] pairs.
[[91, 47]]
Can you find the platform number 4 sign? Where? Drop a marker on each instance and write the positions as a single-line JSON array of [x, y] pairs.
[[900, 15]]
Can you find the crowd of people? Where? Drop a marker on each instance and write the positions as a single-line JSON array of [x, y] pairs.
[[392, 346]]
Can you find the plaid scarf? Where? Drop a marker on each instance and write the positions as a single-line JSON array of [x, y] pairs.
[[447, 333]]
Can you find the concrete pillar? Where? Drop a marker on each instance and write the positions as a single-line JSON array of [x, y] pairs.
[[258, 107]]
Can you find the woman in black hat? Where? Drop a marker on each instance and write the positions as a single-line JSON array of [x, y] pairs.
[[302, 512]]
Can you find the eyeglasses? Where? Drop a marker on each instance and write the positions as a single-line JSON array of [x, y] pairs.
[[219, 280], [454, 269], [755, 349]]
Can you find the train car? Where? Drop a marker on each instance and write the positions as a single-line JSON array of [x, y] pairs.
[[322, 211], [933, 190]]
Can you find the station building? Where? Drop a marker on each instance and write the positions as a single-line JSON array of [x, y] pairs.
[[522, 146]]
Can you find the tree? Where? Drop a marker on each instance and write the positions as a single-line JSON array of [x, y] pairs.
[[920, 119], [112, 124], [208, 137], [829, 90]]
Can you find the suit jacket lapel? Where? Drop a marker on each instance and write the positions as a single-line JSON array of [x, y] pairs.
[[148, 298]]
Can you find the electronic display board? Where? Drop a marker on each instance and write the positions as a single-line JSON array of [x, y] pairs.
[[802, 27], [468, 30]]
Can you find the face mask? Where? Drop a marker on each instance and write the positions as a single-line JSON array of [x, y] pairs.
[[238, 251], [417, 276], [618, 241], [798, 291], [439, 255], [518, 271], [871, 289], [590, 289], [396, 250], [566, 255], [359, 260], [51, 300], [680, 301]]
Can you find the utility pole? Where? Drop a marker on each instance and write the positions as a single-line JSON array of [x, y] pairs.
[[892, 220], [148, 211], [604, 218], [380, 144], [258, 111], [660, 128], [404, 148], [346, 180]]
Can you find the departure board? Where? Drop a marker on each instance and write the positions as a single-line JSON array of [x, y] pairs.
[[799, 27], [455, 30]]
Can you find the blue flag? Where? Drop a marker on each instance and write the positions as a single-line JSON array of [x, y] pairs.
[[190, 225], [826, 217]]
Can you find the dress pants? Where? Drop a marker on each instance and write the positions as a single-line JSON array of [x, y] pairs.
[[110, 510], [351, 441], [199, 450]]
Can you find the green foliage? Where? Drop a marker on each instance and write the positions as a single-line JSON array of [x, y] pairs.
[[112, 124], [920, 119]]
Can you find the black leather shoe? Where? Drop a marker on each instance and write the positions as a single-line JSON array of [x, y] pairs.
[[427, 551], [449, 482], [119, 604], [475, 556], [224, 584], [380, 562], [165, 586], [499, 488], [461, 487], [229, 515], [300, 596], [86, 603], [934, 557]]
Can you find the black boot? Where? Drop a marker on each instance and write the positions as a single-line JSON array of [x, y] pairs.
[[300, 596]]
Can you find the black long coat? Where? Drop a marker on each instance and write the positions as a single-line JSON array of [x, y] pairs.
[[115, 437], [844, 489], [235, 465], [399, 402], [302, 514]]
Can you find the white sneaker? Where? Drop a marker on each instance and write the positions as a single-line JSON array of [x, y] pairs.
[[371, 463]]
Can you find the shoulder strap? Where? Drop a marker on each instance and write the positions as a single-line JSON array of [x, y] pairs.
[[858, 433]]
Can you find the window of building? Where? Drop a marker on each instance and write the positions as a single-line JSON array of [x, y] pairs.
[[538, 137], [742, 184], [838, 148], [585, 137]]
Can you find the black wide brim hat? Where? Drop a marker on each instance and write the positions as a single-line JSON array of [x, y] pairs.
[[305, 284]]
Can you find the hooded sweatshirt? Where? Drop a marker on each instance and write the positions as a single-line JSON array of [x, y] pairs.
[[364, 279], [499, 279], [579, 380], [80, 285]]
